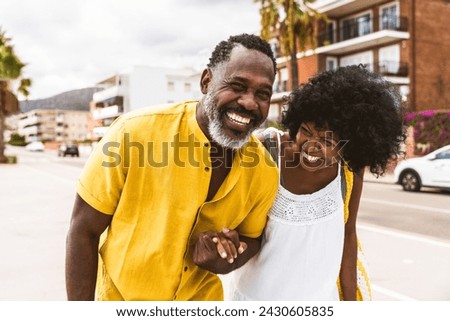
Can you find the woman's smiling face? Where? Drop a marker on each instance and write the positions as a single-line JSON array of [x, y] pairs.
[[316, 148]]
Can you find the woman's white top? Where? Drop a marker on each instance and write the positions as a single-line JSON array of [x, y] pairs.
[[301, 250]]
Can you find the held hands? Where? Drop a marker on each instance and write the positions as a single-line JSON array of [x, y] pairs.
[[216, 252]]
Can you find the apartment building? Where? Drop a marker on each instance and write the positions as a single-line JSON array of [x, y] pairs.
[[59, 118], [53, 125], [407, 41], [138, 87]]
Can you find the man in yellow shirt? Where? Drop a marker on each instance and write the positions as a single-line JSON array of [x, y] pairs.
[[166, 182]]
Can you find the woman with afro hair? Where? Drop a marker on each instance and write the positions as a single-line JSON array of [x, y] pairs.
[[338, 124]]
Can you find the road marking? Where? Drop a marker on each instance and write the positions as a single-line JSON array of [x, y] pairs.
[[403, 235], [390, 293], [404, 205]]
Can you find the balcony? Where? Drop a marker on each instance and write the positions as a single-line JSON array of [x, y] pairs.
[[100, 131], [108, 93], [27, 131], [338, 8], [392, 68], [363, 34], [32, 120], [107, 112]]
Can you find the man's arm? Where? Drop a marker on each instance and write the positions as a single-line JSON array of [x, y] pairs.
[[206, 251], [86, 226]]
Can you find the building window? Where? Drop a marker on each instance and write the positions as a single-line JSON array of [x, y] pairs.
[[365, 58], [331, 33], [187, 87], [356, 26], [281, 83], [389, 60], [404, 91], [275, 48], [331, 63], [170, 86], [389, 17]]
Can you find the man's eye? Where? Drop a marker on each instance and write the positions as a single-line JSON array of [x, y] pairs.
[[264, 95], [237, 86]]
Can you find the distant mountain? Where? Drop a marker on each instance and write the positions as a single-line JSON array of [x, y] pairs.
[[78, 99]]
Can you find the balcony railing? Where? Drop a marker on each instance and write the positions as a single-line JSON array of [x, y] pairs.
[[361, 27], [391, 68], [107, 112]]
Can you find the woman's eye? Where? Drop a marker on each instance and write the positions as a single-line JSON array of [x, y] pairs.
[[305, 131]]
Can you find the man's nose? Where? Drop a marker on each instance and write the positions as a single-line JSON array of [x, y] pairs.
[[247, 100]]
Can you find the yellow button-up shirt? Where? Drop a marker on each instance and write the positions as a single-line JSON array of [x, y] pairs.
[[151, 171]]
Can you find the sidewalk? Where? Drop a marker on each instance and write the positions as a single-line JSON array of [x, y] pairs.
[[35, 209]]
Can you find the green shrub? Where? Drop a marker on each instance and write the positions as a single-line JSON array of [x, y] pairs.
[[17, 140]]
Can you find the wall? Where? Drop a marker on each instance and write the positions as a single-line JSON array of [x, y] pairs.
[[432, 55]]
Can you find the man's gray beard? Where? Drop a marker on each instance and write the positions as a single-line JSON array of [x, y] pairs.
[[215, 126]]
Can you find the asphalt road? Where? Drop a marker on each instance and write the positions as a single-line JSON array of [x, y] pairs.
[[405, 236], [406, 239]]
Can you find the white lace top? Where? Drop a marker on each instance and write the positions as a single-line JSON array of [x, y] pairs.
[[301, 249]]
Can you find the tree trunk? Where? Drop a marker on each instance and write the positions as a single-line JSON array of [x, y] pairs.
[[3, 158], [294, 67], [294, 71]]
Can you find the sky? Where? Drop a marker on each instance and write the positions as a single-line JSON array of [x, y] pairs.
[[72, 44]]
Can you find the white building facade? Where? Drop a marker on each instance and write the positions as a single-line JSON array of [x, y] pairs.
[[138, 87]]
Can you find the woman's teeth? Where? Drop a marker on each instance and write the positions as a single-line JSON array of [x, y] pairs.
[[310, 158]]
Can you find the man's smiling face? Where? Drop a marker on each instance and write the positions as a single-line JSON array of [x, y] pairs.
[[237, 97]]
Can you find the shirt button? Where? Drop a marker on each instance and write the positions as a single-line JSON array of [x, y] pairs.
[[207, 169], [206, 144], [185, 268]]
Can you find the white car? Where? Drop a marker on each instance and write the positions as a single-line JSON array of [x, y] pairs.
[[432, 170], [35, 147]]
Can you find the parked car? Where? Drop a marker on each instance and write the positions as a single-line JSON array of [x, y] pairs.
[[35, 147], [68, 149], [432, 170]]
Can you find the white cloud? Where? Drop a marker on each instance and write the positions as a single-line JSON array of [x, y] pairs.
[[72, 44]]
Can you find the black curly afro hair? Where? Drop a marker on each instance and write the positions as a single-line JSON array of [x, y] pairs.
[[223, 50], [360, 107]]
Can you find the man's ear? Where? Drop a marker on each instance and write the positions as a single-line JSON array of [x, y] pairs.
[[205, 80]]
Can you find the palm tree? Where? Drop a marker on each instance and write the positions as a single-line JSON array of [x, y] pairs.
[[294, 24], [10, 73]]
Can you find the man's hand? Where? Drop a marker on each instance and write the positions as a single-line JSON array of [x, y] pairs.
[[228, 244], [216, 252]]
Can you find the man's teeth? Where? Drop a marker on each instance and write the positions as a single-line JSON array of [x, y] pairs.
[[238, 119], [310, 158]]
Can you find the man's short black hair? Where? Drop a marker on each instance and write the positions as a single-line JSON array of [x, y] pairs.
[[223, 50], [360, 107]]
